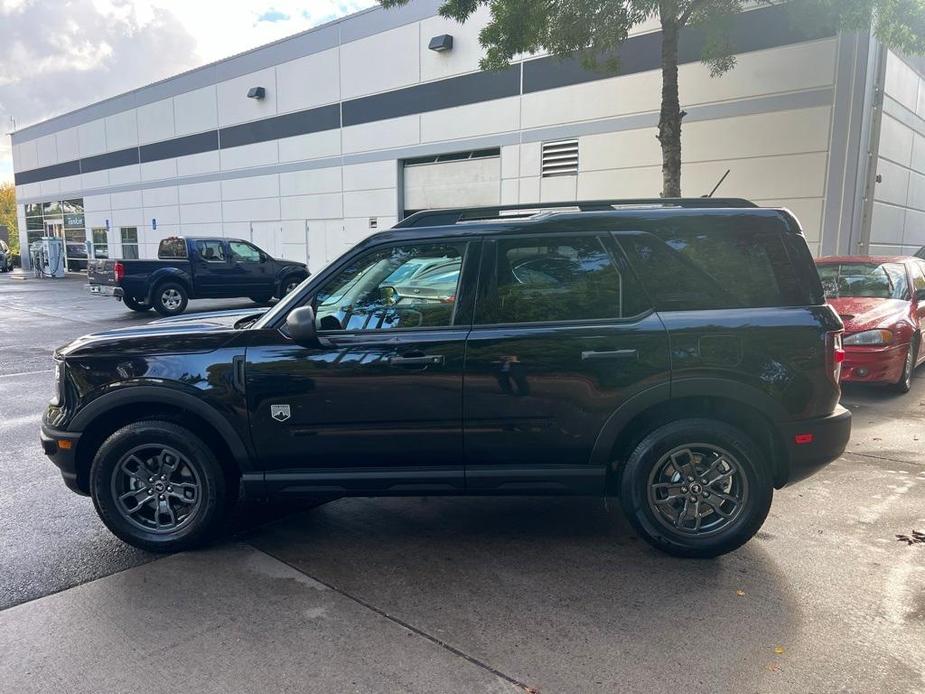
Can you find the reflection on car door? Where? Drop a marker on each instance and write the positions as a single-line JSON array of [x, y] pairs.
[[377, 404], [562, 336]]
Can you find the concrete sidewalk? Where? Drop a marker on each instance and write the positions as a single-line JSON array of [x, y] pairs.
[[231, 619]]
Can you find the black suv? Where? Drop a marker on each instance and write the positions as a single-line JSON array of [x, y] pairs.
[[678, 354]]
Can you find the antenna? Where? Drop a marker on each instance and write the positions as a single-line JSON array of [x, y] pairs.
[[716, 187]]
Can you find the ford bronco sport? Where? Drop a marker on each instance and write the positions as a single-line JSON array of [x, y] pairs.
[[678, 354]]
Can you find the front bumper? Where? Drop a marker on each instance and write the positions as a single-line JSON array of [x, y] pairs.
[[874, 364], [61, 448], [105, 290], [814, 443]]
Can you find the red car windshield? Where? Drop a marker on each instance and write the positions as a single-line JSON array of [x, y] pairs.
[[869, 280]]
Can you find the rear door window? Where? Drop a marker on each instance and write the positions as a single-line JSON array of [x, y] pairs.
[[715, 264], [211, 251], [553, 279], [173, 247]]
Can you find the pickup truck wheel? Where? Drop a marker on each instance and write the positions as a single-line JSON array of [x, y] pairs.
[[157, 486], [260, 299], [290, 283], [696, 488], [135, 305], [170, 299]]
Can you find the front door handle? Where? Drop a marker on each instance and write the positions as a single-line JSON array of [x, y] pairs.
[[418, 360], [614, 354]]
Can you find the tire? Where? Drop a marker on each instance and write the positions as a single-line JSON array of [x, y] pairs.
[[290, 283], [262, 299], [904, 384], [170, 299], [194, 511], [649, 477], [133, 304]]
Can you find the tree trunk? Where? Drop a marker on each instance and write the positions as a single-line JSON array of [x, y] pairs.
[[669, 124]]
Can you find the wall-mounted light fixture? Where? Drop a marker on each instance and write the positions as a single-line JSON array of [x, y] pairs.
[[256, 93], [441, 43]]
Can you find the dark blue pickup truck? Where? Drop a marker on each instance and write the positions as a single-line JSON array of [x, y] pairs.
[[195, 268]]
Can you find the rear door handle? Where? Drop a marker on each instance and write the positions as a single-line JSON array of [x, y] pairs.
[[615, 354], [422, 360]]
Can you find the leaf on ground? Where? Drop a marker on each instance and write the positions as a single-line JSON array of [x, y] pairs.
[[916, 538], [779, 650], [740, 593]]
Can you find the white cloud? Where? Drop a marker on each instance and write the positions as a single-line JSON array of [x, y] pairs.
[[56, 57]]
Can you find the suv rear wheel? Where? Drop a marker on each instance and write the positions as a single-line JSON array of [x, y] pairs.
[[170, 299], [696, 488], [158, 486]]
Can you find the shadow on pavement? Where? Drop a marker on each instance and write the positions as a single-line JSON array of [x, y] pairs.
[[551, 591]]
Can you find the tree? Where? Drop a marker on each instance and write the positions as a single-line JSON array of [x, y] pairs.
[[595, 29], [8, 213]]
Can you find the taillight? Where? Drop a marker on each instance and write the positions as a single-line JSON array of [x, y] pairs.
[[119, 270], [834, 354]]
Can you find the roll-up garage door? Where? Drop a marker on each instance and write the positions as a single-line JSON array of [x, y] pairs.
[[467, 179]]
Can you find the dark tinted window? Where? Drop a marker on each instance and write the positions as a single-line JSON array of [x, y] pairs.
[[172, 248], [410, 286], [554, 279], [716, 266]]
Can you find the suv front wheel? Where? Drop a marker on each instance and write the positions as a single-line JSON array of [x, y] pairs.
[[158, 486], [696, 488]]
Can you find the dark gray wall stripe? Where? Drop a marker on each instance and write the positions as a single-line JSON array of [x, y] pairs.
[[433, 96], [45, 173], [757, 30], [110, 160], [299, 123], [754, 30], [178, 147]]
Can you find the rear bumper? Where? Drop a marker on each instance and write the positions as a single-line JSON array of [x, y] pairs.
[[63, 455], [874, 364], [105, 290], [822, 439]]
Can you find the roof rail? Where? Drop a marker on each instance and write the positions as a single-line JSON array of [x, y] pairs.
[[448, 216]]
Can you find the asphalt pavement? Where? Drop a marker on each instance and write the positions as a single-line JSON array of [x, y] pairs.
[[453, 594]]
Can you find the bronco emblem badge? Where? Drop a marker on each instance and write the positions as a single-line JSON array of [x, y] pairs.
[[280, 412]]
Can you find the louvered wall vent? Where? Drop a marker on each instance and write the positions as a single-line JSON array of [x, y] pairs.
[[560, 158]]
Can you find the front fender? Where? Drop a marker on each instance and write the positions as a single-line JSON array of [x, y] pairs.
[[171, 396]]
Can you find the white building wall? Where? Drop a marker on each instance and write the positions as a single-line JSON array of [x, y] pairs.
[[769, 121], [898, 219]]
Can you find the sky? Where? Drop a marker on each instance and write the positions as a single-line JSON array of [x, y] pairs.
[[59, 55]]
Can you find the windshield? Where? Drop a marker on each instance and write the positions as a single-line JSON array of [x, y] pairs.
[[864, 280]]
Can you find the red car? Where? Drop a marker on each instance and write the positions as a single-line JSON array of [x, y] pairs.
[[882, 303]]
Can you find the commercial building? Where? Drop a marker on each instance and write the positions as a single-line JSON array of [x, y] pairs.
[[311, 143]]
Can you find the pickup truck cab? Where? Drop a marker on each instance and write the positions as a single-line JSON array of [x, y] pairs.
[[195, 268]]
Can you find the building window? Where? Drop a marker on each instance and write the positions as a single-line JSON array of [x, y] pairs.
[[100, 243], [129, 242]]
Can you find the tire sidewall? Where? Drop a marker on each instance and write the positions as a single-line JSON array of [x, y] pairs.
[[211, 510], [134, 305], [291, 279], [159, 306], [635, 480]]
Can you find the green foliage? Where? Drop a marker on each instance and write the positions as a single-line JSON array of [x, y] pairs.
[[8, 213], [596, 28]]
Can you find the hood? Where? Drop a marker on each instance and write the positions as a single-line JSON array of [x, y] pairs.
[[201, 332], [866, 313]]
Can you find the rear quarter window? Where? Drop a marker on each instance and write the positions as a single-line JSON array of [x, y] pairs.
[[720, 264]]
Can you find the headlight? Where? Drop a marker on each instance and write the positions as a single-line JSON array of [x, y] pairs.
[[58, 396], [870, 337]]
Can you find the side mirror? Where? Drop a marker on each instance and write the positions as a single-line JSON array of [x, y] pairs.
[[300, 324], [264, 258]]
